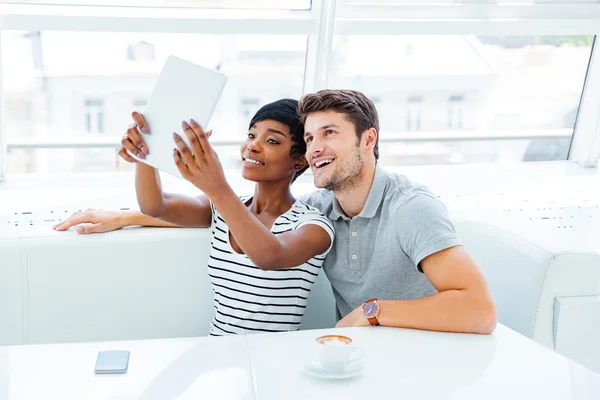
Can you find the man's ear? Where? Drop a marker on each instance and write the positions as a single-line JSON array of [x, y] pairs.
[[371, 138], [300, 163]]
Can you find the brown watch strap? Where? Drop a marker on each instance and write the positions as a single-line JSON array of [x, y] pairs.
[[373, 320]]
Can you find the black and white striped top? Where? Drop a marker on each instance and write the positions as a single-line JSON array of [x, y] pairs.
[[248, 299]]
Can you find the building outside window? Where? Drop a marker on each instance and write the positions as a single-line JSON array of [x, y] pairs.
[[455, 112], [94, 115], [413, 114]]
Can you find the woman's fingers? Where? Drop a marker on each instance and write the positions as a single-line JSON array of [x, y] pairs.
[[134, 136], [200, 136], [192, 138], [140, 121], [126, 156], [130, 146], [184, 151], [181, 166]]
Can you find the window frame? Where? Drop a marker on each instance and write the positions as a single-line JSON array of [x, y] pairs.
[[397, 17], [455, 112], [585, 143], [327, 18]]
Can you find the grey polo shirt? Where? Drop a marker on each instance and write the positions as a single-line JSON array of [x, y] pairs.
[[377, 253]]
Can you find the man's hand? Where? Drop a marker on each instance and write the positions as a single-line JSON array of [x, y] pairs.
[[93, 221], [201, 166], [355, 318]]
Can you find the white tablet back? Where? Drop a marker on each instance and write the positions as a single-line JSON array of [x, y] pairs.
[[183, 91]]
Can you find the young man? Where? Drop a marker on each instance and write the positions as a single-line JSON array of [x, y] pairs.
[[396, 260], [394, 240]]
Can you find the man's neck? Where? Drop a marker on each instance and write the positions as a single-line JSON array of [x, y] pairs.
[[353, 200]]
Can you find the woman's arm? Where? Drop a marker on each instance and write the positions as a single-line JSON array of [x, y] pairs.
[[175, 209], [99, 221], [267, 250], [158, 208]]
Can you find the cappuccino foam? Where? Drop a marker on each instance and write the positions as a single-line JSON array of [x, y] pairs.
[[334, 340], [335, 343]]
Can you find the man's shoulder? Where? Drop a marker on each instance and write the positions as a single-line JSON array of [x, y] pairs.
[[307, 211], [403, 191], [320, 199]]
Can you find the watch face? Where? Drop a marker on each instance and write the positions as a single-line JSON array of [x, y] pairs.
[[370, 309]]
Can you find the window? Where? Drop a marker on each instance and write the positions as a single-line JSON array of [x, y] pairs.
[[142, 51], [524, 89], [454, 81], [261, 4], [249, 107], [456, 2], [139, 105], [92, 84], [413, 114], [94, 115], [455, 112]]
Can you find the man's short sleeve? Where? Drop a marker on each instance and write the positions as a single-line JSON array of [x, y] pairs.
[[424, 227], [320, 199]]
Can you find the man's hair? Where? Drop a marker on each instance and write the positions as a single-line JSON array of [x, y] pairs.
[[285, 111], [353, 104]]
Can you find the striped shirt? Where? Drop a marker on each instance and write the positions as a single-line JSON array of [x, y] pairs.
[[248, 299]]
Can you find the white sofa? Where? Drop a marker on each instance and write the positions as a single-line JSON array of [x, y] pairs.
[[130, 284], [152, 283], [543, 268]]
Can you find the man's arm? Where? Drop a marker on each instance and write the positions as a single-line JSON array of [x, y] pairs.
[[463, 302]]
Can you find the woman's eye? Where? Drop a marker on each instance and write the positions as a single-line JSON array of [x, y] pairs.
[[251, 135], [272, 141]]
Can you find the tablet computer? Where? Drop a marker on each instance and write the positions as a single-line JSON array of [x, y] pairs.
[[183, 91]]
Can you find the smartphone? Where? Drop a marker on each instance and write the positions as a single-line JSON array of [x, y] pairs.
[[112, 362]]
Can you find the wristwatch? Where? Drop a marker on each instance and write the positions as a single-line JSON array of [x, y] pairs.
[[371, 310]]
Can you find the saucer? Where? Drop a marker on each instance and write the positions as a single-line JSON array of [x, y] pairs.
[[314, 368]]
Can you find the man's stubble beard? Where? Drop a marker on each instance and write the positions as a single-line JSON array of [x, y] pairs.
[[347, 176]]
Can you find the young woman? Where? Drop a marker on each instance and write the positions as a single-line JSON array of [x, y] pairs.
[[267, 248]]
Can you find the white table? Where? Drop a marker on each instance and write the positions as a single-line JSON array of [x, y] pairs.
[[185, 368], [399, 364], [408, 364]]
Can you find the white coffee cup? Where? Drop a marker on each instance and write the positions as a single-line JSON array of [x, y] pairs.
[[336, 352]]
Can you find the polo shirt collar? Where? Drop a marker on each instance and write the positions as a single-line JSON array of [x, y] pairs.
[[373, 200]]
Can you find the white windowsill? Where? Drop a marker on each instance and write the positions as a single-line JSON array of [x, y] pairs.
[[550, 194], [445, 180]]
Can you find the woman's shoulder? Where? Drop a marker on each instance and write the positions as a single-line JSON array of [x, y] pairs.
[[306, 214]]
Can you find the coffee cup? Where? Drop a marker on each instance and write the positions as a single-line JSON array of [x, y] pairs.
[[336, 352]]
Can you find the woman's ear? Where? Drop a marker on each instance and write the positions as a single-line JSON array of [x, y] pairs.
[[300, 163]]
